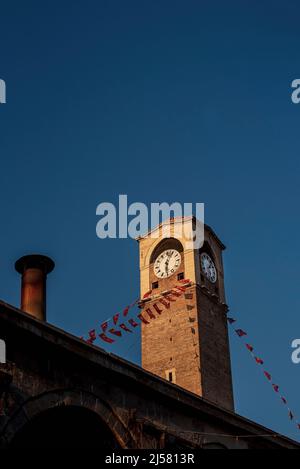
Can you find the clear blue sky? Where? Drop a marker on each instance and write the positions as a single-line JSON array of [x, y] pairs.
[[112, 97]]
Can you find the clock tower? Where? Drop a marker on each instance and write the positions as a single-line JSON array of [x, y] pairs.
[[187, 344]]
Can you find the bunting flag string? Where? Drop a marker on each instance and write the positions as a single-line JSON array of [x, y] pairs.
[[111, 329], [259, 361]]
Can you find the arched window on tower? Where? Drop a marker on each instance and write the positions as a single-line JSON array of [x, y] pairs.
[[166, 264], [209, 274]]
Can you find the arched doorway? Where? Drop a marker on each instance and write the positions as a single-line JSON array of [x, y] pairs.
[[65, 427]]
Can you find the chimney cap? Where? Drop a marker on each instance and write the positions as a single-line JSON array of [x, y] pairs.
[[35, 261]]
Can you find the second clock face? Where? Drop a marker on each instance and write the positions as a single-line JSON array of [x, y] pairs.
[[167, 263], [208, 267]]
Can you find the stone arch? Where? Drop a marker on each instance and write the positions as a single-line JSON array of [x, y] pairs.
[[65, 427], [207, 247], [155, 246], [59, 399], [165, 243]]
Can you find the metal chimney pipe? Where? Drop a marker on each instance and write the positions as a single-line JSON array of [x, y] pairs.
[[34, 270]]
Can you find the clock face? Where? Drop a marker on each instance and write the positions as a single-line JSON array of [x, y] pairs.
[[208, 267], [167, 263]]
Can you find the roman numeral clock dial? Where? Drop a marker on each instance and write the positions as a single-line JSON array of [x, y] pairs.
[[167, 263]]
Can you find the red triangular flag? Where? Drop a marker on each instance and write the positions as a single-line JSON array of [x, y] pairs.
[[150, 313], [133, 323], [185, 280], [231, 320], [275, 387], [180, 288], [164, 303], [147, 294], [125, 328], [126, 310], [157, 308], [176, 293], [249, 347], [104, 326], [267, 375], [240, 332], [116, 318], [284, 400], [169, 297], [92, 335], [106, 339], [115, 332], [141, 317], [259, 361]]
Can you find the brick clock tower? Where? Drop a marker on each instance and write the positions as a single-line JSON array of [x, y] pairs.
[[187, 344]]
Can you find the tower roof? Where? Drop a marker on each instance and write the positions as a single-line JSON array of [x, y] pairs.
[[174, 220]]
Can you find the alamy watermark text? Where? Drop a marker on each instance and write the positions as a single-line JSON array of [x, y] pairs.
[[139, 220]]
